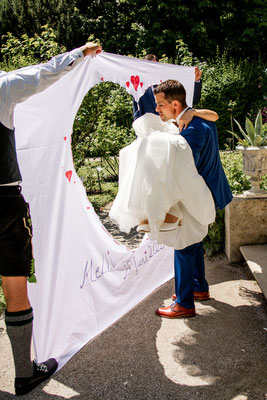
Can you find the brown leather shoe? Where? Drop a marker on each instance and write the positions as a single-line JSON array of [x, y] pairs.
[[175, 311], [198, 296]]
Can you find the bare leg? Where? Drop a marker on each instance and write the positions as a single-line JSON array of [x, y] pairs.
[[169, 219], [143, 222], [15, 292]]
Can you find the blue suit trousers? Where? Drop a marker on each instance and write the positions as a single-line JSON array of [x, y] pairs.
[[189, 271]]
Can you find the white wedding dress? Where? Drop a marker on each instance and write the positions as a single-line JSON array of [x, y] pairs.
[[157, 175]]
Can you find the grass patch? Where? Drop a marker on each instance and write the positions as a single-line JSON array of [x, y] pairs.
[[100, 179], [109, 192]]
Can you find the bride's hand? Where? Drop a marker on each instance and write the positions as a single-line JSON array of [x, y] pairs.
[[186, 118]]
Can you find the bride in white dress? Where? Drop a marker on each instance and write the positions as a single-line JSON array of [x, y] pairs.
[[157, 176]]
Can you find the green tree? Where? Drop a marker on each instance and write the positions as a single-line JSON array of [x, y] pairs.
[[29, 16], [233, 87], [205, 25], [17, 53], [131, 26]]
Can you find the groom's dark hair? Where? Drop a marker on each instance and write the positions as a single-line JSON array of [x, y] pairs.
[[173, 90]]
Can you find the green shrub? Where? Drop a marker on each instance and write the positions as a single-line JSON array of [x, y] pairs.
[[232, 162], [100, 186], [111, 166], [232, 89], [214, 241], [18, 53], [110, 190], [93, 173], [264, 182], [88, 175]]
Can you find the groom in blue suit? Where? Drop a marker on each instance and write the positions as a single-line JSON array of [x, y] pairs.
[[201, 135]]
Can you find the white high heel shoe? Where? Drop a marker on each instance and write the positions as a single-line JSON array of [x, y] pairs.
[[166, 227], [144, 228]]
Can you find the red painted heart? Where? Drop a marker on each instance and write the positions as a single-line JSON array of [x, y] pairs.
[[102, 78], [65, 138], [135, 81], [127, 84], [141, 84], [68, 175]]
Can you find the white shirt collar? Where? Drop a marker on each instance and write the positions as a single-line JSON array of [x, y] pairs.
[[176, 120], [181, 114]]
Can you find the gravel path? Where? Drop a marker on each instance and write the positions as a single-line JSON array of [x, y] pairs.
[[130, 240]]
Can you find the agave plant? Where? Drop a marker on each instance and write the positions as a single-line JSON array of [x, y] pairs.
[[254, 135]]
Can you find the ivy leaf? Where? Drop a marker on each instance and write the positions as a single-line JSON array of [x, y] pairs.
[[32, 279]]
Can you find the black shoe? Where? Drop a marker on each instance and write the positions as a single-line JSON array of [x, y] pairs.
[[42, 372]]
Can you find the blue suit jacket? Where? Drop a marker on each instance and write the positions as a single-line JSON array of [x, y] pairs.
[[202, 137], [147, 103]]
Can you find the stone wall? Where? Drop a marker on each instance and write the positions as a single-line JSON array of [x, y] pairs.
[[245, 223]]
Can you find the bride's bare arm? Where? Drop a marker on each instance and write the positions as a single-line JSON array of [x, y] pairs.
[[191, 113]]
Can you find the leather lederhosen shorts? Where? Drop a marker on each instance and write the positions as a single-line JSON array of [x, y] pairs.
[[15, 233]]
